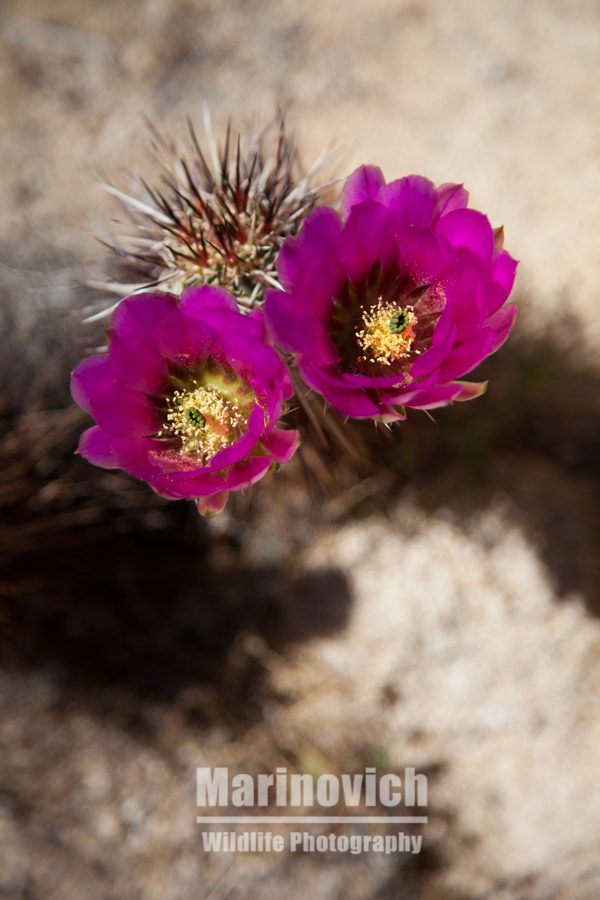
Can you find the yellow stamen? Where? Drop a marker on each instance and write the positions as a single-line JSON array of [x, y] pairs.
[[387, 334], [204, 420]]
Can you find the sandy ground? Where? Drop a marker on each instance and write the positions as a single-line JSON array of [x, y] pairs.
[[447, 619]]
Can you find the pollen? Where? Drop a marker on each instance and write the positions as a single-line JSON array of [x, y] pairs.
[[387, 333], [204, 420]]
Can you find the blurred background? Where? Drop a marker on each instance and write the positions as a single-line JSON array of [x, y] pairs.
[[440, 610]]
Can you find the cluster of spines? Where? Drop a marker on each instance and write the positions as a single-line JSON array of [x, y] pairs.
[[217, 216]]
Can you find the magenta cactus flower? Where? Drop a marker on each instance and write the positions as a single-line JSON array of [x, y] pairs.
[[392, 304], [188, 396]]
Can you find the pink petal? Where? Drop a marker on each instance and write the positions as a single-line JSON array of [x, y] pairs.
[[449, 198], [177, 342], [298, 330], [322, 348], [502, 323], [421, 254], [140, 313], [434, 397], [279, 313], [349, 402], [195, 300], [250, 359], [362, 238], [356, 380], [247, 472], [432, 358], [282, 444], [319, 238], [212, 506], [136, 456], [96, 447], [468, 228], [470, 390], [88, 374], [361, 186], [467, 293], [178, 486], [503, 272], [412, 200], [139, 366], [132, 417], [135, 320], [118, 410], [464, 357]]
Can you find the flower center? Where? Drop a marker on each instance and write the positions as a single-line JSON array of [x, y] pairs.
[[387, 333], [204, 420]]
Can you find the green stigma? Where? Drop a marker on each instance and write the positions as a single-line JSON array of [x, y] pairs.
[[196, 417], [398, 322]]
